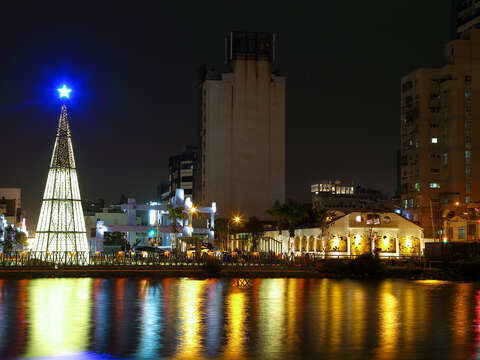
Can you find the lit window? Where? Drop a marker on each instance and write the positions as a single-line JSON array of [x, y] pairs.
[[468, 156], [410, 202], [358, 218], [434, 140], [417, 186], [435, 185], [468, 171], [467, 199], [445, 158]]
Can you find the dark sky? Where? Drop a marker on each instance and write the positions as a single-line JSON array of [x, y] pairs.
[[133, 73]]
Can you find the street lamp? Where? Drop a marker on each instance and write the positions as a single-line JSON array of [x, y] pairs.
[[235, 221]]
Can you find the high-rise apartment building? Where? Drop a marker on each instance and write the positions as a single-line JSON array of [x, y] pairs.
[[466, 16], [182, 172], [243, 129], [440, 137]]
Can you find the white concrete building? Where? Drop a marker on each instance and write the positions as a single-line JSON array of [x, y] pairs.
[[357, 233], [243, 130]]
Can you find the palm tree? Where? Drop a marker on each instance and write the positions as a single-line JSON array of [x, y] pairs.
[[255, 228], [221, 230], [290, 213], [323, 218], [176, 213], [276, 212]]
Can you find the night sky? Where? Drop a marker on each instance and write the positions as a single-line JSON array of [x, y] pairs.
[[133, 73]]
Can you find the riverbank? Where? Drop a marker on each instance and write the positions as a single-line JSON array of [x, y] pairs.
[[362, 267], [397, 272]]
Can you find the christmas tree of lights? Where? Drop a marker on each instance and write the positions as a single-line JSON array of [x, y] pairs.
[[61, 225]]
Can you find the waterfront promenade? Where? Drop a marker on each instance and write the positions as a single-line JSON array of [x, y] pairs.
[[254, 265]]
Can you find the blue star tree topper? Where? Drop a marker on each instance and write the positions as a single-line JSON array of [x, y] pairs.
[[64, 92]]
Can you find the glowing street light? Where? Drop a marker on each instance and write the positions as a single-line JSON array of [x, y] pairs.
[[193, 209], [64, 92], [235, 220]]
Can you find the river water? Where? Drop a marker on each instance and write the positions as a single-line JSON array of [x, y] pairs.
[[86, 318]]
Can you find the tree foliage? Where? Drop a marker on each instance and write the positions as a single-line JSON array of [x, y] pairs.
[[323, 217], [176, 213], [255, 228], [289, 215]]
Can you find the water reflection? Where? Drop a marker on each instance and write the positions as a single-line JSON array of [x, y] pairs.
[[190, 301], [59, 316], [388, 329], [274, 319]]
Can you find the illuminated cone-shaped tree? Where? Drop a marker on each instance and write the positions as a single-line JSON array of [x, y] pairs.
[[61, 225]]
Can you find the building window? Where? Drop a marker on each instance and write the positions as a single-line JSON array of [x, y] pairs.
[[417, 186], [472, 231], [468, 187], [468, 142], [445, 158], [467, 94], [373, 219], [435, 171], [468, 124], [468, 171], [467, 199], [468, 80], [434, 185], [405, 203], [468, 108], [410, 202], [434, 140], [461, 232], [468, 156]]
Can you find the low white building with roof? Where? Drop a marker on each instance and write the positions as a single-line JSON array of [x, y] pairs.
[[357, 233]]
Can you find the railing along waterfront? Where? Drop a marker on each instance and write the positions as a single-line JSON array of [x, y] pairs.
[[153, 259]]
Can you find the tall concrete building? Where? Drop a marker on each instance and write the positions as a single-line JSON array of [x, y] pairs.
[[182, 172], [466, 16], [440, 137], [243, 129]]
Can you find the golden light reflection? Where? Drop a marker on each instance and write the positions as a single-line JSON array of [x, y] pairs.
[[336, 315], [461, 312], [272, 313], [359, 316], [322, 312], [388, 332], [235, 330], [294, 313], [409, 307], [59, 313], [190, 303]]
